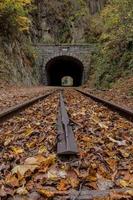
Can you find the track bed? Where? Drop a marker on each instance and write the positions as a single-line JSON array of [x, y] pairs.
[[31, 169]]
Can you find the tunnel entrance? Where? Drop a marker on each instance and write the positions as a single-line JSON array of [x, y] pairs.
[[64, 66]]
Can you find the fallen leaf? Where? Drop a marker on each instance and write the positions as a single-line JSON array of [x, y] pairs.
[[63, 185], [120, 143], [31, 144], [55, 174], [46, 161], [34, 196], [124, 183], [52, 175], [124, 153], [22, 191], [31, 161], [42, 149], [12, 181], [104, 184], [22, 169], [73, 178], [17, 150], [129, 192], [112, 163], [102, 125], [2, 191], [8, 140], [46, 193], [28, 132]]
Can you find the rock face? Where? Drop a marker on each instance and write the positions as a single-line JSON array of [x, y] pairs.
[[64, 21], [96, 5], [16, 67]]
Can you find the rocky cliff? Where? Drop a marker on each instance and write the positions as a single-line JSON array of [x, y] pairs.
[[96, 5], [64, 21], [17, 64]]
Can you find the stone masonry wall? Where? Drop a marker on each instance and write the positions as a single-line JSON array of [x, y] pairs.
[[80, 52]]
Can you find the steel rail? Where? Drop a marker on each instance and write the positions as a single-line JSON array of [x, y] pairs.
[[5, 114], [127, 113], [66, 144]]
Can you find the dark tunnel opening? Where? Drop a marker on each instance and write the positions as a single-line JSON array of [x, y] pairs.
[[64, 66]]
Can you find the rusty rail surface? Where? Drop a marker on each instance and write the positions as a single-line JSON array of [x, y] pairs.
[[5, 114], [127, 113], [66, 144]]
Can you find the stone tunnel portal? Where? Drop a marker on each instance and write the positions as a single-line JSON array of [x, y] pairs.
[[63, 66]]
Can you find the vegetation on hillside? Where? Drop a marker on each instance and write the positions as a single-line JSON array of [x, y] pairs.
[[14, 17], [114, 59], [17, 54]]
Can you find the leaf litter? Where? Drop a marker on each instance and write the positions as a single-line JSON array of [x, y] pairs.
[[30, 168], [105, 143]]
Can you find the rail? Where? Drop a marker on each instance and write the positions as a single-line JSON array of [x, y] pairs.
[[66, 144], [15, 109], [127, 113]]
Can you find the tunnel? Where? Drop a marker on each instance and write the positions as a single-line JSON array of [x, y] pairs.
[[64, 66]]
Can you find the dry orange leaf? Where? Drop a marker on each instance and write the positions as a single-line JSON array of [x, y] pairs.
[[62, 185], [73, 178], [12, 180], [46, 161], [46, 193]]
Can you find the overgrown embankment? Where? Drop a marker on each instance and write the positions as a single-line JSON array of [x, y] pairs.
[[17, 55], [114, 57]]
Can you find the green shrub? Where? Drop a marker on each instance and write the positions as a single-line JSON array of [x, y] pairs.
[[14, 17], [115, 53]]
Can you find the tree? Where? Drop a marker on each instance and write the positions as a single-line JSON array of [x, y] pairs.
[[14, 17]]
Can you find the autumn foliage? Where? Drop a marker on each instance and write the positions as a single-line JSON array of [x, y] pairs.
[[14, 17], [115, 58]]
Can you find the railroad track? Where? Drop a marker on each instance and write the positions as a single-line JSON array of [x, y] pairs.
[[127, 113], [5, 114], [35, 132]]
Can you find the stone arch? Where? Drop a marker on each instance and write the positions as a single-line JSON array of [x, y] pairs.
[[64, 65]]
